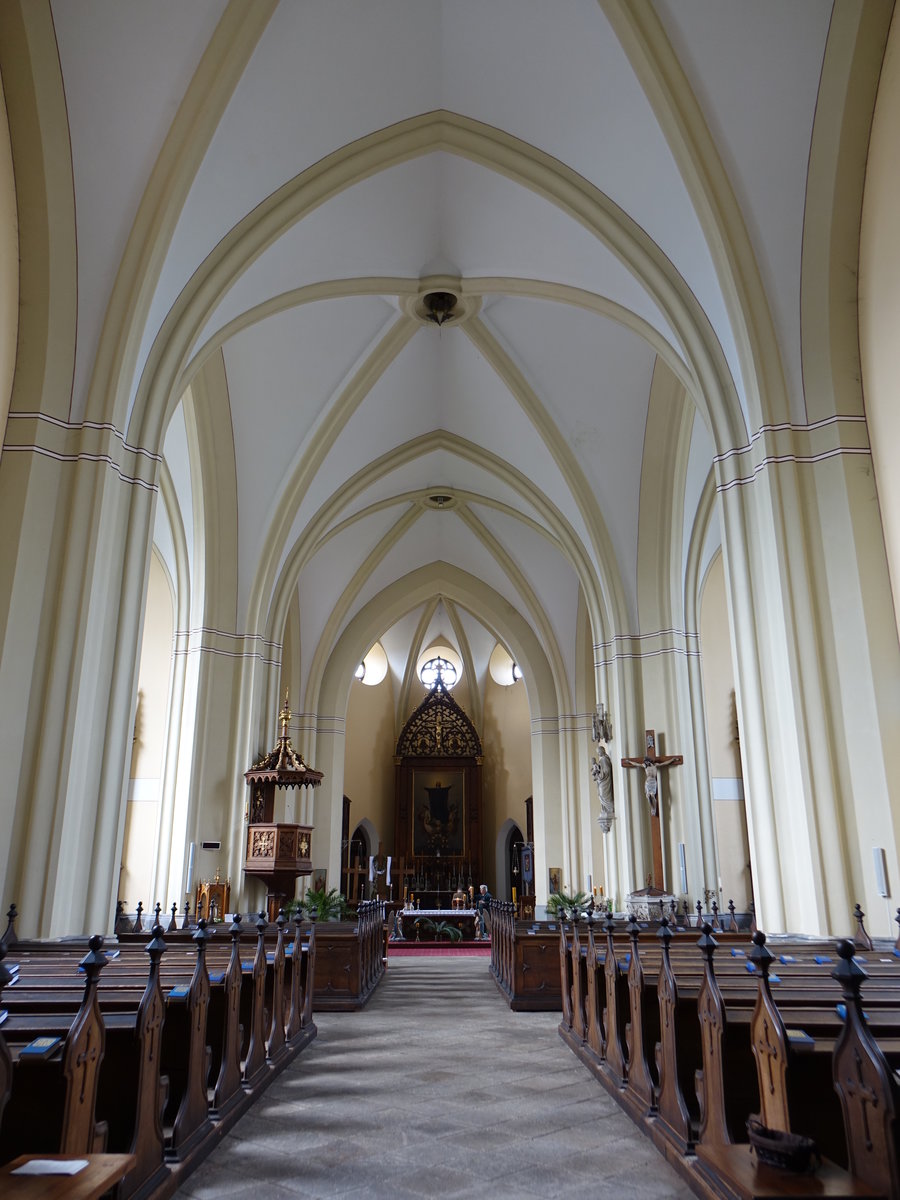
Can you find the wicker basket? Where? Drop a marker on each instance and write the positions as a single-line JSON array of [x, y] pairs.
[[784, 1151]]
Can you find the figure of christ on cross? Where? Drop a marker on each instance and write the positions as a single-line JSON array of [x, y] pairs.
[[650, 764]]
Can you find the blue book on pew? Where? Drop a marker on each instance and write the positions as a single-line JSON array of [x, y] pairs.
[[822, 958], [289, 949], [4, 1013], [737, 953], [751, 967], [219, 977], [247, 966], [178, 993], [112, 953], [270, 958], [41, 1047], [786, 958], [841, 1010], [799, 1037]]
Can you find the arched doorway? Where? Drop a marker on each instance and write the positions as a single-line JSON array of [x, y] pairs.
[[354, 874], [508, 859]]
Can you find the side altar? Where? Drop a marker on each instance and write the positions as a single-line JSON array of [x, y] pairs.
[[438, 803]]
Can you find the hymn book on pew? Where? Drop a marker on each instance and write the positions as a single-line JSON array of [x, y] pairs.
[[51, 1166], [41, 1047]]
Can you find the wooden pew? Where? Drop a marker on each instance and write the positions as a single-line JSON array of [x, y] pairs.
[[867, 1087], [52, 1101], [6, 1067], [705, 1031], [349, 959], [525, 960], [130, 1007]]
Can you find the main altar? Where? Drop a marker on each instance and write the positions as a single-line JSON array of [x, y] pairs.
[[438, 803]]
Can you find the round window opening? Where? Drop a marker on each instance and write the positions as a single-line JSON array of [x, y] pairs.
[[438, 671]]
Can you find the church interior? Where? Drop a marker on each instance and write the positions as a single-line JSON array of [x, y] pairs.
[[550, 343], [488, 404]]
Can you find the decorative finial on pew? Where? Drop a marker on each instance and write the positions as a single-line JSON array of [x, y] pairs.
[[235, 927], [715, 912], [138, 922], [95, 960], [665, 935], [9, 938], [157, 911], [861, 936], [848, 972], [761, 954], [633, 928], [281, 920], [699, 914], [733, 917], [173, 924], [186, 923], [156, 947], [202, 936], [261, 923], [707, 943], [5, 973]]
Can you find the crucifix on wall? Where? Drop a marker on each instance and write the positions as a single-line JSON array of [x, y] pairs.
[[650, 763]]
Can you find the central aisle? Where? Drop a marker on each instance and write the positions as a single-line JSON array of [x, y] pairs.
[[435, 1089]]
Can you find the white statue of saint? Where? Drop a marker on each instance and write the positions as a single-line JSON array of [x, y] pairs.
[[601, 770]]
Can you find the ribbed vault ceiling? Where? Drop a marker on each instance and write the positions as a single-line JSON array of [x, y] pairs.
[[346, 410]]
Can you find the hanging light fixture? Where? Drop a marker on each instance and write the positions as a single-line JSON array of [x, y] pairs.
[[439, 306]]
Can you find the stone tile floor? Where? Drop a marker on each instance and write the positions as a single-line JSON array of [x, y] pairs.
[[435, 1089]]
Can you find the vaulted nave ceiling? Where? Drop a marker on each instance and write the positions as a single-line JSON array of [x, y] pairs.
[[318, 167]]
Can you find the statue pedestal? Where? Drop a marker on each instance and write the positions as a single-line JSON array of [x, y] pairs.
[[650, 904]]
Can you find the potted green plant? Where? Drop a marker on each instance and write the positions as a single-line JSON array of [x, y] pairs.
[[325, 906], [438, 929], [559, 901]]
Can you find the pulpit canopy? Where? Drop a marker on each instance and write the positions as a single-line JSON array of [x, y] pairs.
[[283, 766]]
